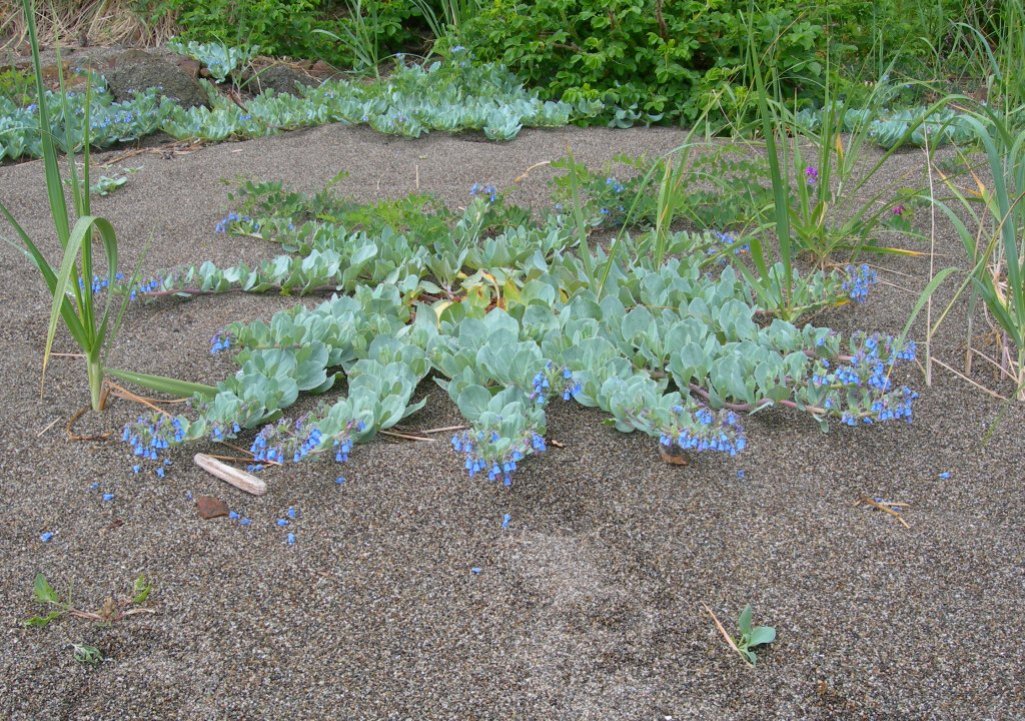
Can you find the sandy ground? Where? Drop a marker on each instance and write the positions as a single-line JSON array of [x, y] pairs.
[[588, 606]]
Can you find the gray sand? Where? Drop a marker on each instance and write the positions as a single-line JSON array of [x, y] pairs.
[[589, 606]]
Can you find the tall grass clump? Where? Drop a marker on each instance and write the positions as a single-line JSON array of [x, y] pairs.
[[76, 283], [821, 211], [994, 240]]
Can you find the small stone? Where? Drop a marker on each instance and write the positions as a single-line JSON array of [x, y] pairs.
[[211, 507], [320, 69], [673, 455]]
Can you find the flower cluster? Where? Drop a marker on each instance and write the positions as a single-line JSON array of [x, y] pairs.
[[147, 286], [483, 454], [243, 521], [858, 282], [292, 515], [232, 219], [152, 434], [220, 342], [100, 284], [548, 378], [342, 443], [122, 121], [728, 242], [811, 175], [298, 439], [862, 381], [218, 431], [614, 185], [704, 430], [489, 190]]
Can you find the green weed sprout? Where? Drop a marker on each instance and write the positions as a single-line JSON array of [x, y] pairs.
[[86, 655], [111, 610], [750, 636], [107, 184], [89, 320]]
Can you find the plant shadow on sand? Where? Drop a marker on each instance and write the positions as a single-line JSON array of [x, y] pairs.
[[588, 605]]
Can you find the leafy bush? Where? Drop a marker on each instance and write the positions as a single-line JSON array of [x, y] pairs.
[[449, 96], [508, 317], [17, 86], [286, 27], [647, 57]]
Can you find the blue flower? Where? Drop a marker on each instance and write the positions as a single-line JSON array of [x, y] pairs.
[[290, 539], [858, 282], [505, 520], [108, 497], [45, 536]]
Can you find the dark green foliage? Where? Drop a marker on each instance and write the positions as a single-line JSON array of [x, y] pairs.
[[721, 190], [285, 27], [17, 86], [650, 58]]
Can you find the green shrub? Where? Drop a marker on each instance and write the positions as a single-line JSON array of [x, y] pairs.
[[648, 57], [17, 86], [285, 27]]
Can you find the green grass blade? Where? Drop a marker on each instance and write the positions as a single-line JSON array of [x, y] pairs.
[[33, 253], [922, 299], [82, 233], [54, 187], [163, 384]]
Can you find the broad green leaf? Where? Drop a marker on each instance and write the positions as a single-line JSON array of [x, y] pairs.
[[162, 384], [762, 634], [42, 621], [141, 589], [744, 621], [44, 591]]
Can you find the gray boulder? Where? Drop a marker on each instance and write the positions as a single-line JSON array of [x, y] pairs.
[[280, 79], [138, 70]]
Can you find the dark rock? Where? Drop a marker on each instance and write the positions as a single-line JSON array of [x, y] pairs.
[[280, 79], [673, 455], [190, 67], [138, 70], [210, 507], [321, 69]]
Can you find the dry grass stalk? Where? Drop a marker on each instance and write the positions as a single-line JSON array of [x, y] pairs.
[[83, 22]]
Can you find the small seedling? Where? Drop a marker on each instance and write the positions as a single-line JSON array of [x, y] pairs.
[[107, 184], [140, 590], [86, 655], [113, 609], [750, 636]]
